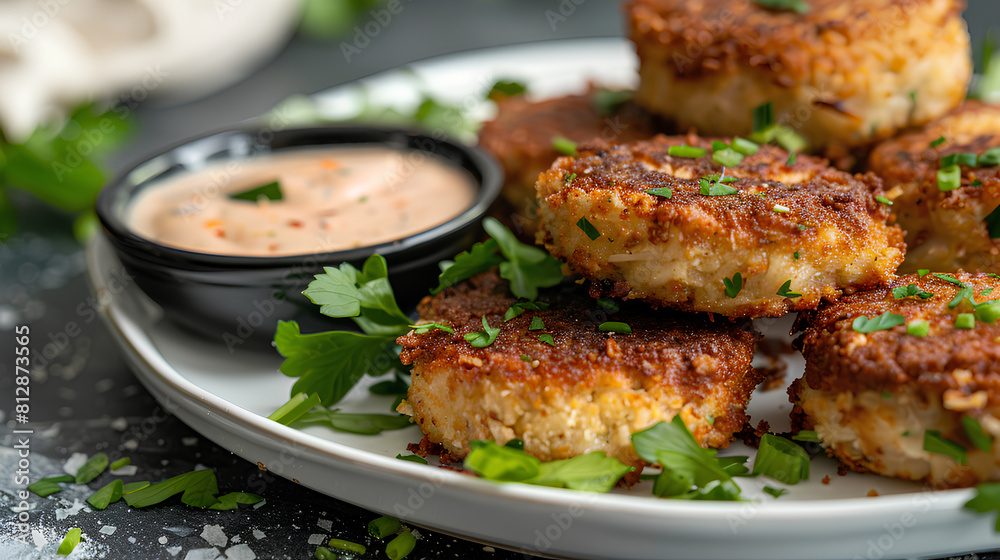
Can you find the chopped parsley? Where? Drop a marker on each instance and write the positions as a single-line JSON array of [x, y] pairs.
[[797, 6], [806, 435], [795, 255], [987, 500], [547, 339], [910, 291], [527, 268], [537, 324], [483, 338], [992, 221], [686, 151], [505, 88], [69, 542], [665, 192], [938, 142], [607, 101], [923, 272], [615, 327], [715, 185], [411, 458], [786, 290], [270, 191], [918, 328], [594, 472], [424, 328], [763, 116], [791, 159], [733, 286], [934, 443], [588, 228], [883, 322], [517, 308], [781, 459], [776, 492], [564, 146]]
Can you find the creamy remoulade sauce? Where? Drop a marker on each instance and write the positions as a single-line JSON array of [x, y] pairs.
[[332, 199]]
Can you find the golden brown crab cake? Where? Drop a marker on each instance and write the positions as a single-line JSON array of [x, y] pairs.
[[585, 390], [817, 229], [521, 138], [843, 74], [946, 230], [878, 399]]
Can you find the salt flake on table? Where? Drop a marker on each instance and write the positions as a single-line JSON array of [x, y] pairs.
[[214, 535], [108, 530], [235, 539], [174, 550], [240, 552], [324, 524], [127, 470], [317, 538], [179, 531], [202, 554], [76, 508], [258, 534], [131, 540], [162, 540], [74, 463], [189, 441]]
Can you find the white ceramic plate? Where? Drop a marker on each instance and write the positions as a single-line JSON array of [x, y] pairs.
[[227, 396]]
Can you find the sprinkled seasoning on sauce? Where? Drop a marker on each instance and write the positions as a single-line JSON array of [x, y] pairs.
[[330, 200]]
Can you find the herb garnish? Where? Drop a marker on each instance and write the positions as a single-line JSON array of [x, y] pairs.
[[564, 146], [385, 526], [938, 142], [714, 185], [686, 151], [806, 435], [798, 6], [615, 327], [786, 290], [883, 200], [547, 339], [934, 443], [270, 191], [424, 328], [292, 410], [607, 101], [909, 291], [93, 467], [965, 321], [595, 472], [765, 131], [505, 88], [974, 431], [690, 472], [588, 228], [883, 322], [949, 178], [519, 307], [412, 459], [69, 542], [918, 328], [776, 492], [109, 494], [992, 221], [48, 486], [665, 192], [781, 460], [987, 499], [483, 338], [725, 155], [537, 324], [733, 286]]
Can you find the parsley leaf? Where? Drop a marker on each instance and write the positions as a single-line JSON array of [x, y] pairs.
[[594, 472], [483, 338], [798, 6], [354, 423], [480, 258], [689, 471], [935, 443], [547, 339], [366, 296], [974, 431], [505, 88], [734, 286], [537, 324], [270, 191], [615, 327], [424, 328], [781, 460], [883, 322], [564, 146], [909, 291], [987, 500], [527, 268], [665, 192], [785, 290], [713, 185], [330, 363]]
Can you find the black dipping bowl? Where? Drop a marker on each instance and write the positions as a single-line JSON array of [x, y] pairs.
[[236, 299]]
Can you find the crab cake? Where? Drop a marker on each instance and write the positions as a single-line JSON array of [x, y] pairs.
[[843, 74], [521, 138], [927, 378], [585, 390], [795, 233], [946, 229]]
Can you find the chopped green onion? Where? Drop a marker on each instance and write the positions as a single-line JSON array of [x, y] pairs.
[[883, 322], [401, 546], [384, 526], [938, 142], [786, 290], [615, 327], [424, 328], [296, 406], [123, 462], [923, 272], [346, 546], [686, 151], [537, 324], [570, 178], [92, 468], [977, 183], [934, 443], [965, 321], [987, 500], [270, 191], [781, 460], [727, 157], [798, 6], [990, 157], [918, 328], [791, 159], [776, 492], [949, 278], [883, 200], [744, 146], [781, 209], [588, 228], [988, 312], [992, 221], [525, 357], [546, 338], [763, 116], [665, 192], [564, 146], [323, 553], [949, 178], [974, 431], [607, 101], [806, 435], [69, 542], [734, 286]]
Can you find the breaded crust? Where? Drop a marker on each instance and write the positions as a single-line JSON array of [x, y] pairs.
[[588, 392], [820, 228], [944, 230], [521, 134], [871, 397], [846, 73]]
